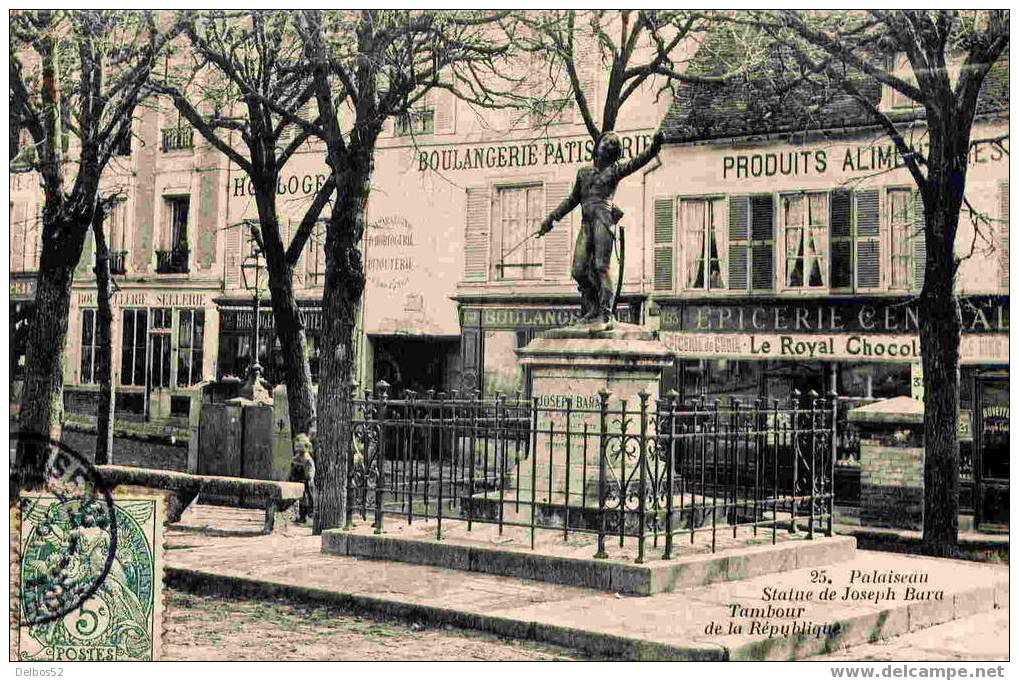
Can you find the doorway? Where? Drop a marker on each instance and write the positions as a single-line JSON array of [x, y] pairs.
[[416, 363], [990, 451]]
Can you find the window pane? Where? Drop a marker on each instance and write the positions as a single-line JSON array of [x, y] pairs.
[[87, 327], [86, 364], [693, 218], [718, 245], [127, 349], [520, 212]]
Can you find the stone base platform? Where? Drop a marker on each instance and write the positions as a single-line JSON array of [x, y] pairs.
[[666, 626], [569, 560], [557, 510]]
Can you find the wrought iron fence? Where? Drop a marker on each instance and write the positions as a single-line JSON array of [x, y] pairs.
[[118, 262], [659, 470], [176, 138]]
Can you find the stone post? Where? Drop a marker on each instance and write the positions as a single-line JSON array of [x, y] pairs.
[[891, 462]]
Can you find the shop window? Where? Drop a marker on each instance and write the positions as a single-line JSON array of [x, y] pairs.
[[521, 210], [705, 246], [89, 347], [190, 340], [132, 356], [874, 381], [159, 338], [900, 234], [804, 220], [751, 243]]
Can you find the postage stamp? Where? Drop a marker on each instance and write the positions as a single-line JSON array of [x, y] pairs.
[[90, 569]]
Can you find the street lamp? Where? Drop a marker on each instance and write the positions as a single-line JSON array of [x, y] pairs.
[[254, 282]]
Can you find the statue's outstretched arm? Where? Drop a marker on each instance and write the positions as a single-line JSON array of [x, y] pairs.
[[625, 168], [563, 209]]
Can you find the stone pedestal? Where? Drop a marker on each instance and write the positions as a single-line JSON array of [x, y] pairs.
[[569, 368], [891, 462]]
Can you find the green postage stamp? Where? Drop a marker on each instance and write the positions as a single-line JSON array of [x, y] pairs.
[[90, 578]]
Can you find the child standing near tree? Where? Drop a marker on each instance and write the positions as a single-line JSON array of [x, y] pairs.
[[302, 469]]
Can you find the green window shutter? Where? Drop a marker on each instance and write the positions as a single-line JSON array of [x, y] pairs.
[[557, 242], [762, 243], [665, 239], [477, 233], [919, 243], [1003, 234], [841, 231], [739, 235], [868, 238], [232, 256]]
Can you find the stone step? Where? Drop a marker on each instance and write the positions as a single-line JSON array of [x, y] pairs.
[[666, 626], [559, 561]]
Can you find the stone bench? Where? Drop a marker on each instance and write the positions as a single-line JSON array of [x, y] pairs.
[[184, 488]]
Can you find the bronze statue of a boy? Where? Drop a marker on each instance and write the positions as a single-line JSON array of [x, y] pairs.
[[593, 191]]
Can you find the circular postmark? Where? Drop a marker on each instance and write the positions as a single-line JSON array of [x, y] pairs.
[[69, 535]]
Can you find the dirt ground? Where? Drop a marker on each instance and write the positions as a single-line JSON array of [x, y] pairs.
[[203, 628]]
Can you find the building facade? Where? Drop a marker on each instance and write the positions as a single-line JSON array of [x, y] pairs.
[[789, 254], [166, 261], [448, 295], [775, 244]]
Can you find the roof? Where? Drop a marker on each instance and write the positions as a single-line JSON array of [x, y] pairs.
[[902, 409], [755, 105]]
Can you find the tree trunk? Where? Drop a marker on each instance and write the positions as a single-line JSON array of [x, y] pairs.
[[286, 314], [940, 334], [104, 345], [341, 297], [939, 345], [42, 396], [291, 333]]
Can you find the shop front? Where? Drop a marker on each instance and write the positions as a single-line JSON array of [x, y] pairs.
[[864, 348], [494, 326], [237, 336], [162, 349]]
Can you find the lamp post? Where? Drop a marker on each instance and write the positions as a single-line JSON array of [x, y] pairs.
[[251, 273]]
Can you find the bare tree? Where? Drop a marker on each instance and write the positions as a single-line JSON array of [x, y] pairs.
[[844, 49], [103, 333], [635, 48], [368, 67], [248, 63], [75, 80]]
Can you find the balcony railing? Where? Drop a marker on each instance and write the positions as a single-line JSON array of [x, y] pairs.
[[175, 139], [173, 261], [118, 262]]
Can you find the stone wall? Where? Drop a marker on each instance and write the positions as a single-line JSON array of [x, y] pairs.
[[891, 463], [891, 485]]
